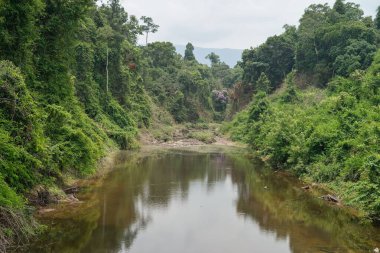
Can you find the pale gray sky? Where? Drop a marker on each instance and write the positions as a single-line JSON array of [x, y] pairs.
[[225, 23]]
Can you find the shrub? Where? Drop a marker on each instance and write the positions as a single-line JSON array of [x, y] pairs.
[[333, 140]]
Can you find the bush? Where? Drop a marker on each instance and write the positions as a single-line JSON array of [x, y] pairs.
[[333, 140], [203, 136], [8, 197]]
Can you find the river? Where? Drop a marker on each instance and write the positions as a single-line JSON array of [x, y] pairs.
[[204, 199]]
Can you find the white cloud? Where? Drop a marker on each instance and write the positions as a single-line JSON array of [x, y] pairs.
[[224, 23]]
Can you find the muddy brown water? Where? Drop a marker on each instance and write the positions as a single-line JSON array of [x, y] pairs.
[[205, 199]]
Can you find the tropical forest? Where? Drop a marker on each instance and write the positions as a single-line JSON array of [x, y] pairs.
[[113, 141]]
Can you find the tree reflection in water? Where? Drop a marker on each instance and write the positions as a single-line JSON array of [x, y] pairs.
[[145, 186]]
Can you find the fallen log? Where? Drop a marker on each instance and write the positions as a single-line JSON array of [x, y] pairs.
[[330, 198], [71, 190]]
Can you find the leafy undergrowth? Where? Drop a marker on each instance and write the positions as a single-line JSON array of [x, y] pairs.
[[60, 112], [327, 136], [165, 129], [42, 143]]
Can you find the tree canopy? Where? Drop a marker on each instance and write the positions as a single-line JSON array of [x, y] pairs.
[[189, 52]]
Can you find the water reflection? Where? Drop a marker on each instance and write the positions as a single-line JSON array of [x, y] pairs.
[[213, 201]]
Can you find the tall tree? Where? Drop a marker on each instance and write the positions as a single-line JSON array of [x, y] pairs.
[[339, 7], [214, 58], [61, 20], [160, 54], [148, 26], [118, 16], [189, 52], [19, 31], [275, 58], [377, 19], [308, 51], [334, 41], [263, 83]]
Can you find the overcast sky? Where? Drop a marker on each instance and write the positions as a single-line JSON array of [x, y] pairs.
[[224, 23]]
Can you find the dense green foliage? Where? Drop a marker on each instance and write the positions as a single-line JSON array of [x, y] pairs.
[[329, 135], [377, 19], [185, 88], [60, 106], [189, 52], [275, 58], [69, 91], [327, 42], [334, 41]]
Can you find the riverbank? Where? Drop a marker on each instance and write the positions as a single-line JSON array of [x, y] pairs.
[[182, 136], [190, 134], [67, 195], [107, 165], [46, 198], [73, 199], [141, 190], [20, 225], [327, 136]]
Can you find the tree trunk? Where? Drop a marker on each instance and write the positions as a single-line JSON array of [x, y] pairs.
[[107, 71]]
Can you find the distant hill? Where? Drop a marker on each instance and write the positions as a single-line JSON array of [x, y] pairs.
[[227, 55]]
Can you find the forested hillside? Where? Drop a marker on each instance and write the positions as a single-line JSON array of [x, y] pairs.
[[190, 91], [315, 106], [68, 94]]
